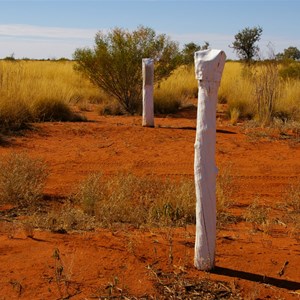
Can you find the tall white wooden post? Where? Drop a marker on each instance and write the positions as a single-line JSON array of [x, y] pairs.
[[148, 78], [209, 66]]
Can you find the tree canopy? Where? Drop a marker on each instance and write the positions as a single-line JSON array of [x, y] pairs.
[[187, 53], [245, 43], [292, 53], [115, 62]]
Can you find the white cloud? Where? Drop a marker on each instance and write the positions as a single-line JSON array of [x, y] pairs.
[[39, 49], [29, 31], [43, 42], [55, 42]]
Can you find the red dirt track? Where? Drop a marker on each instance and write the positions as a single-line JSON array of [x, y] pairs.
[[262, 168]]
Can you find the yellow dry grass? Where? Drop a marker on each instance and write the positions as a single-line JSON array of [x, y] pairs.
[[239, 88], [289, 102], [176, 90], [24, 85], [31, 81]]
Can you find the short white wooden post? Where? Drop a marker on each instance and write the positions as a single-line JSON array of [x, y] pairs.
[[148, 78], [209, 66]]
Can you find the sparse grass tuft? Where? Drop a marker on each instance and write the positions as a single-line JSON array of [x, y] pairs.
[[128, 199], [176, 286], [293, 199], [22, 179], [102, 201], [62, 277], [90, 193], [63, 219], [291, 207], [234, 115], [224, 192], [258, 215], [174, 204], [147, 201]]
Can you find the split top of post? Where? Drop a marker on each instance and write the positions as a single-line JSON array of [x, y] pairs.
[[148, 69], [209, 65]]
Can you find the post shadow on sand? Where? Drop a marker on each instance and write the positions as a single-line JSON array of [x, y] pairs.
[[280, 283], [190, 112], [194, 128]]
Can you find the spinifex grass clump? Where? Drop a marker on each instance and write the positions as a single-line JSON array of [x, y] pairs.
[[258, 215], [129, 199], [174, 91], [291, 207], [48, 109], [22, 179], [35, 91], [31, 81], [236, 90], [292, 198], [260, 92], [267, 92], [62, 219], [14, 115], [152, 201], [224, 192]]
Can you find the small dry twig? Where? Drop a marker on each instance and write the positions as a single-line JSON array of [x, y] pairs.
[[282, 270]]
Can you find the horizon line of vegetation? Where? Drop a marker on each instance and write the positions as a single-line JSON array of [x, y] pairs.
[[110, 76]]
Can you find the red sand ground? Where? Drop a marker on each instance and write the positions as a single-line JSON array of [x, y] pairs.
[[261, 167]]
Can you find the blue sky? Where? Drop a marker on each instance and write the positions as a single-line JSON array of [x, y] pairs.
[[54, 29]]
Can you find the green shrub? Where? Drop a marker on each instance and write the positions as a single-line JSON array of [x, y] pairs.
[[114, 64], [22, 179]]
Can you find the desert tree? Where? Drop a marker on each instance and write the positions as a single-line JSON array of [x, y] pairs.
[[245, 43], [114, 64], [187, 53], [291, 53]]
